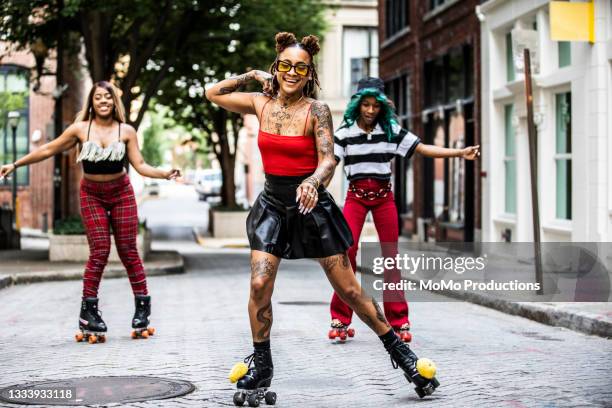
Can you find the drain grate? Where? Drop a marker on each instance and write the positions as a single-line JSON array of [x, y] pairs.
[[303, 303], [95, 390]]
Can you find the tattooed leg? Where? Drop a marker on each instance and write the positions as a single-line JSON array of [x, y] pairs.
[[263, 274], [343, 280]]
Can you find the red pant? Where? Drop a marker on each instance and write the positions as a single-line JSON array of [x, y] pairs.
[[105, 204], [384, 213]]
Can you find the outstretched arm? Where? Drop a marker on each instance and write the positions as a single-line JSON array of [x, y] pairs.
[[68, 139], [137, 161], [324, 139], [224, 93], [468, 153]]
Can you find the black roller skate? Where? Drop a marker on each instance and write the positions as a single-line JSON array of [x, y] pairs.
[[340, 331], [140, 321], [93, 328], [253, 386], [420, 372]]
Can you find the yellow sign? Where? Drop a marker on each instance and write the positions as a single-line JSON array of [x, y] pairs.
[[572, 21]]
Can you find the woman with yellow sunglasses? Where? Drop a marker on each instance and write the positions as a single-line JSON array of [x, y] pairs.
[[295, 217]]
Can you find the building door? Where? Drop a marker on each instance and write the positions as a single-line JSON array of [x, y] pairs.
[[448, 187]]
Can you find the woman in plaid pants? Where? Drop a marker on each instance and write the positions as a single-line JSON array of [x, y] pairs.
[[107, 200]]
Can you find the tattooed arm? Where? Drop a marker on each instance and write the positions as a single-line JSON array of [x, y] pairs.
[[224, 93], [324, 139]]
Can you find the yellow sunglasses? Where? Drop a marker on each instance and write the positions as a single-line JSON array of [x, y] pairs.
[[300, 68]]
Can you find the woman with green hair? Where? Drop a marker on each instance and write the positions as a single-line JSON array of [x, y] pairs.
[[367, 140]]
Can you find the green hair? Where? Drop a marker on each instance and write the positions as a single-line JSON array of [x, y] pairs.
[[386, 117]]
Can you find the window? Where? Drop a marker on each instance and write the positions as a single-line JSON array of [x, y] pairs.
[[563, 155], [456, 138], [360, 56], [437, 3], [449, 77], [14, 89], [399, 91], [565, 53], [510, 75], [396, 16], [509, 161]]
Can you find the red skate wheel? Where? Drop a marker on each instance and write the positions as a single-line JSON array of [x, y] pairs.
[[351, 332], [342, 335], [333, 333], [102, 339], [406, 337]]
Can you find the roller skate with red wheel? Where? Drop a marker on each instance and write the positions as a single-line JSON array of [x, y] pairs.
[[340, 331], [140, 321], [419, 371], [92, 327], [254, 377], [403, 333]]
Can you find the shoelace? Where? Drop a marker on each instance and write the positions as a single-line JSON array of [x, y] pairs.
[[337, 325], [394, 364], [249, 359]]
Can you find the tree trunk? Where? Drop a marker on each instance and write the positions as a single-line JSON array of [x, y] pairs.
[[225, 157]]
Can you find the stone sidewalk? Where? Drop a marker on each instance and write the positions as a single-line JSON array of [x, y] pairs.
[[32, 265]]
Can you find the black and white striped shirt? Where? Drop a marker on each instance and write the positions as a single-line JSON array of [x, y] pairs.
[[369, 155]]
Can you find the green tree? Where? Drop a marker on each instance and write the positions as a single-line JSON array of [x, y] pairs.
[[248, 43], [152, 143], [135, 43]]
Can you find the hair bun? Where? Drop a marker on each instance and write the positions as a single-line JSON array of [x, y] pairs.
[[311, 44], [284, 40]]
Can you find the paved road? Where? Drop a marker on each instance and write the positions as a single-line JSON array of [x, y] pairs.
[[485, 358], [175, 212]]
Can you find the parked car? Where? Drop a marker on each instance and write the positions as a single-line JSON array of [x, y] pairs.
[[208, 183], [151, 187]]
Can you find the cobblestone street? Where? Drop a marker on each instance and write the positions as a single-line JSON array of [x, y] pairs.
[[484, 358]]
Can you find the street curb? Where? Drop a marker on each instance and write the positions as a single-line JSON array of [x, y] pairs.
[[177, 266], [539, 312]]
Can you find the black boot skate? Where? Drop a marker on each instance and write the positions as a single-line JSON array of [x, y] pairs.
[[253, 386], [93, 328], [140, 321], [420, 372]]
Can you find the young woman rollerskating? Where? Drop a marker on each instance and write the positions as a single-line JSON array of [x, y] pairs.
[[106, 199], [368, 139], [295, 217]]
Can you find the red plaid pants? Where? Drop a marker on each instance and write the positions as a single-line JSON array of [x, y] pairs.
[[106, 204]]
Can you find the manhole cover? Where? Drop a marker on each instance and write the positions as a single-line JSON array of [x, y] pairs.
[[95, 391], [303, 303]]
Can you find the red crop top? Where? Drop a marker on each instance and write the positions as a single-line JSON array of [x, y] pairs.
[[288, 155]]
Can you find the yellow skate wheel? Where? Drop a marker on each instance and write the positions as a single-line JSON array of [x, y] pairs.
[[79, 337], [238, 371], [92, 339], [151, 331], [144, 334], [426, 368], [102, 339], [134, 334]]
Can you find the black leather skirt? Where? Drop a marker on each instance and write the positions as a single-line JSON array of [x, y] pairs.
[[275, 226]]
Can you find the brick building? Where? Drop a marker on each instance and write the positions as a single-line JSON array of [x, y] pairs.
[[35, 182], [430, 62]]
